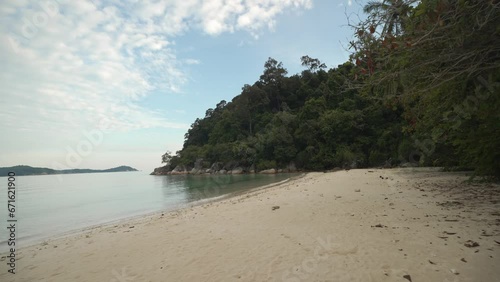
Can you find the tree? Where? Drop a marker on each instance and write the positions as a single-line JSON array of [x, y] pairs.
[[198, 133], [413, 104], [429, 59], [273, 72], [312, 64], [390, 14], [442, 41], [249, 104], [272, 78], [166, 158]]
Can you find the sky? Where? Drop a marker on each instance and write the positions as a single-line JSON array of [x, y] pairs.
[[103, 83]]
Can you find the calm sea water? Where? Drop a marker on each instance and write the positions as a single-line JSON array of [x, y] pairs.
[[50, 205]]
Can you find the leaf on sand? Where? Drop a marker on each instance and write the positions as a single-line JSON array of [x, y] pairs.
[[471, 244], [431, 262]]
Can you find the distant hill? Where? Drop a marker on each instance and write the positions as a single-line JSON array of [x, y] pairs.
[[28, 170]]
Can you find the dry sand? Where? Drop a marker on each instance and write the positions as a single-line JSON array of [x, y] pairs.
[[402, 224]]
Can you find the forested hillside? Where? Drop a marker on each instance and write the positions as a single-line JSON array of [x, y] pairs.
[[421, 87]]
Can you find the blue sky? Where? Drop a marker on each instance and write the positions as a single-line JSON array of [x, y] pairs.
[[97, 84]]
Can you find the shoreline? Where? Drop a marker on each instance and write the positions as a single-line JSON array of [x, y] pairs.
[[27, 243], [366, 224]]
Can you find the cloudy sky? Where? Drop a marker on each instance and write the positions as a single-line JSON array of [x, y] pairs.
[[102, 83]]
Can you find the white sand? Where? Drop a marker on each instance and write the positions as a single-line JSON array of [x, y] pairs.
[[323, 231]]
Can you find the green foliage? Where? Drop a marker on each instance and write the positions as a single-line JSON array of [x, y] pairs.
[[312, 64], [406, 151], [166, 158], [421, 86], [265, 164], [312, 119], [377, 158], [344, 156], [437, 62]]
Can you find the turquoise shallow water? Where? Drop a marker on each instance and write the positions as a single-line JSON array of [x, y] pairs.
[[50, 205]]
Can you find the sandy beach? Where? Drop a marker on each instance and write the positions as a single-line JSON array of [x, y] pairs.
[[358, 225]]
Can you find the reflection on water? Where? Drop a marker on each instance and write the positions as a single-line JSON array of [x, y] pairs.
[[200, 187], [47, 206]]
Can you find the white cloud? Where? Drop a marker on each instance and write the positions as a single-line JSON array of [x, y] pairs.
[[341, 4], [192, 62], [70, 64]]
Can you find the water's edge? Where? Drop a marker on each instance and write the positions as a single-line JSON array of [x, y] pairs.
[[26, 243]]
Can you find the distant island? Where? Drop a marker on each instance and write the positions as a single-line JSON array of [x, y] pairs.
[[28, 170]]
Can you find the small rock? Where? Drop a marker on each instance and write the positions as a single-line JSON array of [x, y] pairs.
[[462, 259], [276, 207], [454, 271], [357, 190], [407, 277]]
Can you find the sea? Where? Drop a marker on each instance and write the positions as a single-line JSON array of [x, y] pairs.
[[47, 206]]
